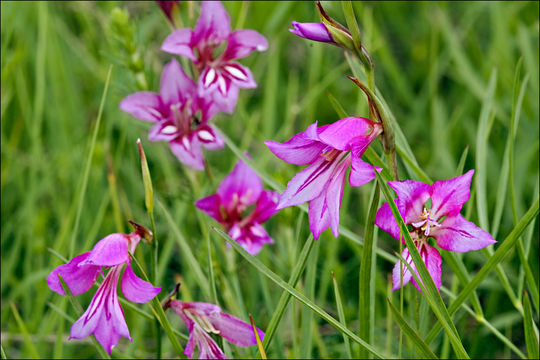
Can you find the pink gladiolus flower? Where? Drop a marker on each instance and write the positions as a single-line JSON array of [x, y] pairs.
[[180, 115], [238, 191], [219, 74], [441, 221], [203, 318], [329, 150], [104, 317], [312, 31]]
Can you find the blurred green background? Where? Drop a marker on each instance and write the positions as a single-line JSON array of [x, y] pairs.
[[433, 62]]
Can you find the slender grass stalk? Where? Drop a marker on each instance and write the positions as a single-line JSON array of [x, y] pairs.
[[341, 314], [531, 338], [27, 341]]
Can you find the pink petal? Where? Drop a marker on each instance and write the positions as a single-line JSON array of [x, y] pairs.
[[78, 278], [135, 289], [241, 187], [176, 86], [143, 105], [209, 137], [213, 26], [251, 237], [386, 221], [179, 43], [334, 194], [236, 331], [191, 155], [200, 308], [211, 205], [163, 131], [308, 183], [208, 349], [311, 31], [104, 317], [225, 103], [460, 235], [109, 251], [361, 172], [266, 206], [344, 133], [239, 75], [401, 270], [448, 196], [243, 42], [303, 148], [432, 259], [319, 216], [412, 195]]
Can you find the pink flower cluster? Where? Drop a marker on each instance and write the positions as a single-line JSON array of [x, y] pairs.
[[182, 110]]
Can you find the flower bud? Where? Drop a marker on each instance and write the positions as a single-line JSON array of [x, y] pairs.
[[312, 31], [169, 8], [142, 231], [147, 181]]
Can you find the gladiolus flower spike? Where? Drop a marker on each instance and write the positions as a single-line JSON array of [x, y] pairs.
[[239, 191], [329, 150], [220, 76], [104, 317], [432, 212], [179, 114], [203, 318]]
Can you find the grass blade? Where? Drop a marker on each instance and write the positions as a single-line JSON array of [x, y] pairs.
[[285, 296], [366, 306], [27, 341], [257, 338], [422, 348], [341, 315], [530, 336], [432, 294], [303, 299]]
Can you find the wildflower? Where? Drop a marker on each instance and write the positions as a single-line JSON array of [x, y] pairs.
[[219, 75], [203, 318], [180, 115], [329, 150], [241, 189], [104, 317], [432, 212]]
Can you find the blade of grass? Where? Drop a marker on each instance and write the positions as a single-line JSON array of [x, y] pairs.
[[306, 334], [303, 299], [341, 315], [422, 348], [431, 292], [366, 306], [492, 262], [530, 337], [86, 172], [27, 341], [285, 296], [186, 250], [258, 339]]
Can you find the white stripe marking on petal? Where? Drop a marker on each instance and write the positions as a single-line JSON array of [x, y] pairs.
[[222, 85], [206, 135], [185, 142], [169, 129], [236, 73], [210, 76]]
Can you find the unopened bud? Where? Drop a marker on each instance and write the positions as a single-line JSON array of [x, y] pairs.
[[147, 181], [142, 231], [169, 8]]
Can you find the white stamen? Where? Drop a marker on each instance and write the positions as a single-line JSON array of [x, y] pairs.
[[210, 76], [236, 73], [205, 135], [169, 129]]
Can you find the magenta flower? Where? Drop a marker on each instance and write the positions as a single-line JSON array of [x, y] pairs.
[[312, 31], [203, 318], [329, 150], [219, 74], [104, 317], [432, 211], [180, 115], [241, 189]]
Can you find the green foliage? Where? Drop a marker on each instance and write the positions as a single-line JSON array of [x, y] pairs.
[[459, 82]]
